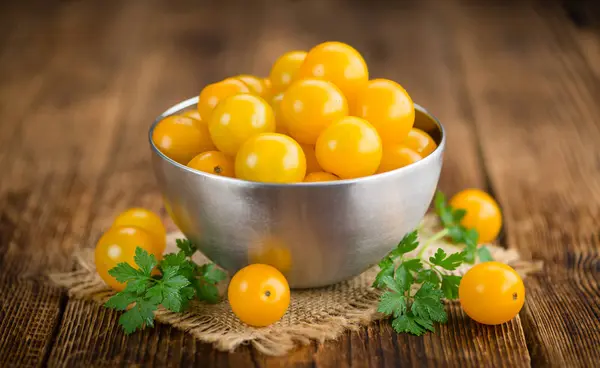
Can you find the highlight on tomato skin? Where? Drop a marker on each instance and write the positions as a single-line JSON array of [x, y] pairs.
[[146, 220]]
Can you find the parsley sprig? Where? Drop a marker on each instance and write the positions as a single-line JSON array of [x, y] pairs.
[[450, 219], [180, 281], [412, 311]]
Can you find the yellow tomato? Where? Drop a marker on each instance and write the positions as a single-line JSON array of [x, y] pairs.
[[338, 63], [213, 162], [386, 105], [238, 118], [257, 85], [194, 114], [214, 93], [491, 293], [319, 176], [146, 220], [284, 70], [309, 106], [118, 245], [268, 88], [270, 158], [259, 295], [312, 165], [276, 105], [420, 141], [181, 138], [483, 213], [396, 156], [349, 148]]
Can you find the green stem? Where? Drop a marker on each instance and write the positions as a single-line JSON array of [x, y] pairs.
[[433, 267], [435, 237]]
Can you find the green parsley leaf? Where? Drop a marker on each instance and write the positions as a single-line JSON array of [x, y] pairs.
[[141, 315], [414, 265], [406, 323], [408, 243], [428, 304], [425, 323], [393, 284], [428, 275], [450, 262], [123, 272], [450, 285], [207, 292], [484, 255], [145, 261], [386, 269], [121, 300], [186, 246], [391, 303], [211, 273], [404, 278]]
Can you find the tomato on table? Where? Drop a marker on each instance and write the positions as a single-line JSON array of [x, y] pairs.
[[386, 105], [213, 162], [319, 176], [214, 93], [146, 220], [255, 84], [259, 295], [349, 148], [284, 70], [309, 106], [181, 138], [491, 293], [483, 213], [395, 156], [118, 245], [238, 118], [338, 63], [420, 141], [270, 158], [312, 165]]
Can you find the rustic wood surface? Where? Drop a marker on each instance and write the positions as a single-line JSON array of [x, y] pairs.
[[517, 85]]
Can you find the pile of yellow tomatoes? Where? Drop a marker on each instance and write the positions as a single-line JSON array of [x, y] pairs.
[[317, 117]]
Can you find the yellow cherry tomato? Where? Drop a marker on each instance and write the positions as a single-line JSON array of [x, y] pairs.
[[270, 158], [349, 148], [238, 118], [257, 85], [312, 165], [386, 105], [118, 245], [213, 162], [276, 105], [146, 220], [483, 213], [284, 70], [338, 63], [319, 176], [395, 156], [420, 141], [491, 293], [259, 295], [214, 93], [309, 106], [268, 88], [194, 114], [181, 138]]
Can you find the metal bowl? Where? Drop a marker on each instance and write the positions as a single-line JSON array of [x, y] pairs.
[[317, 234]]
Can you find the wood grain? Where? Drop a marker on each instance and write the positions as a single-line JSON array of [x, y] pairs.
[[80, 81]]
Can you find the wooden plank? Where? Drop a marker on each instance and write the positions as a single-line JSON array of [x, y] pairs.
[[538, 122]]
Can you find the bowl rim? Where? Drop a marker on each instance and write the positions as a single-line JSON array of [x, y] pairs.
[[403, 170]]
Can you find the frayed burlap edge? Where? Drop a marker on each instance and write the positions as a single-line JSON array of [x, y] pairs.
[[316, 314]]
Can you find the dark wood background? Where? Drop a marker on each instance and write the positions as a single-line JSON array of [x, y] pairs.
[[516, 83]]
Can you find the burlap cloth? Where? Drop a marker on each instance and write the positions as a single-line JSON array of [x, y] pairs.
[[318, 314]]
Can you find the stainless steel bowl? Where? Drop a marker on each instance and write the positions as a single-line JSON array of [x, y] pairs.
[[316, 233]]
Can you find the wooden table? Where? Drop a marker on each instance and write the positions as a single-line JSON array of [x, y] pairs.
[[516, 84]]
